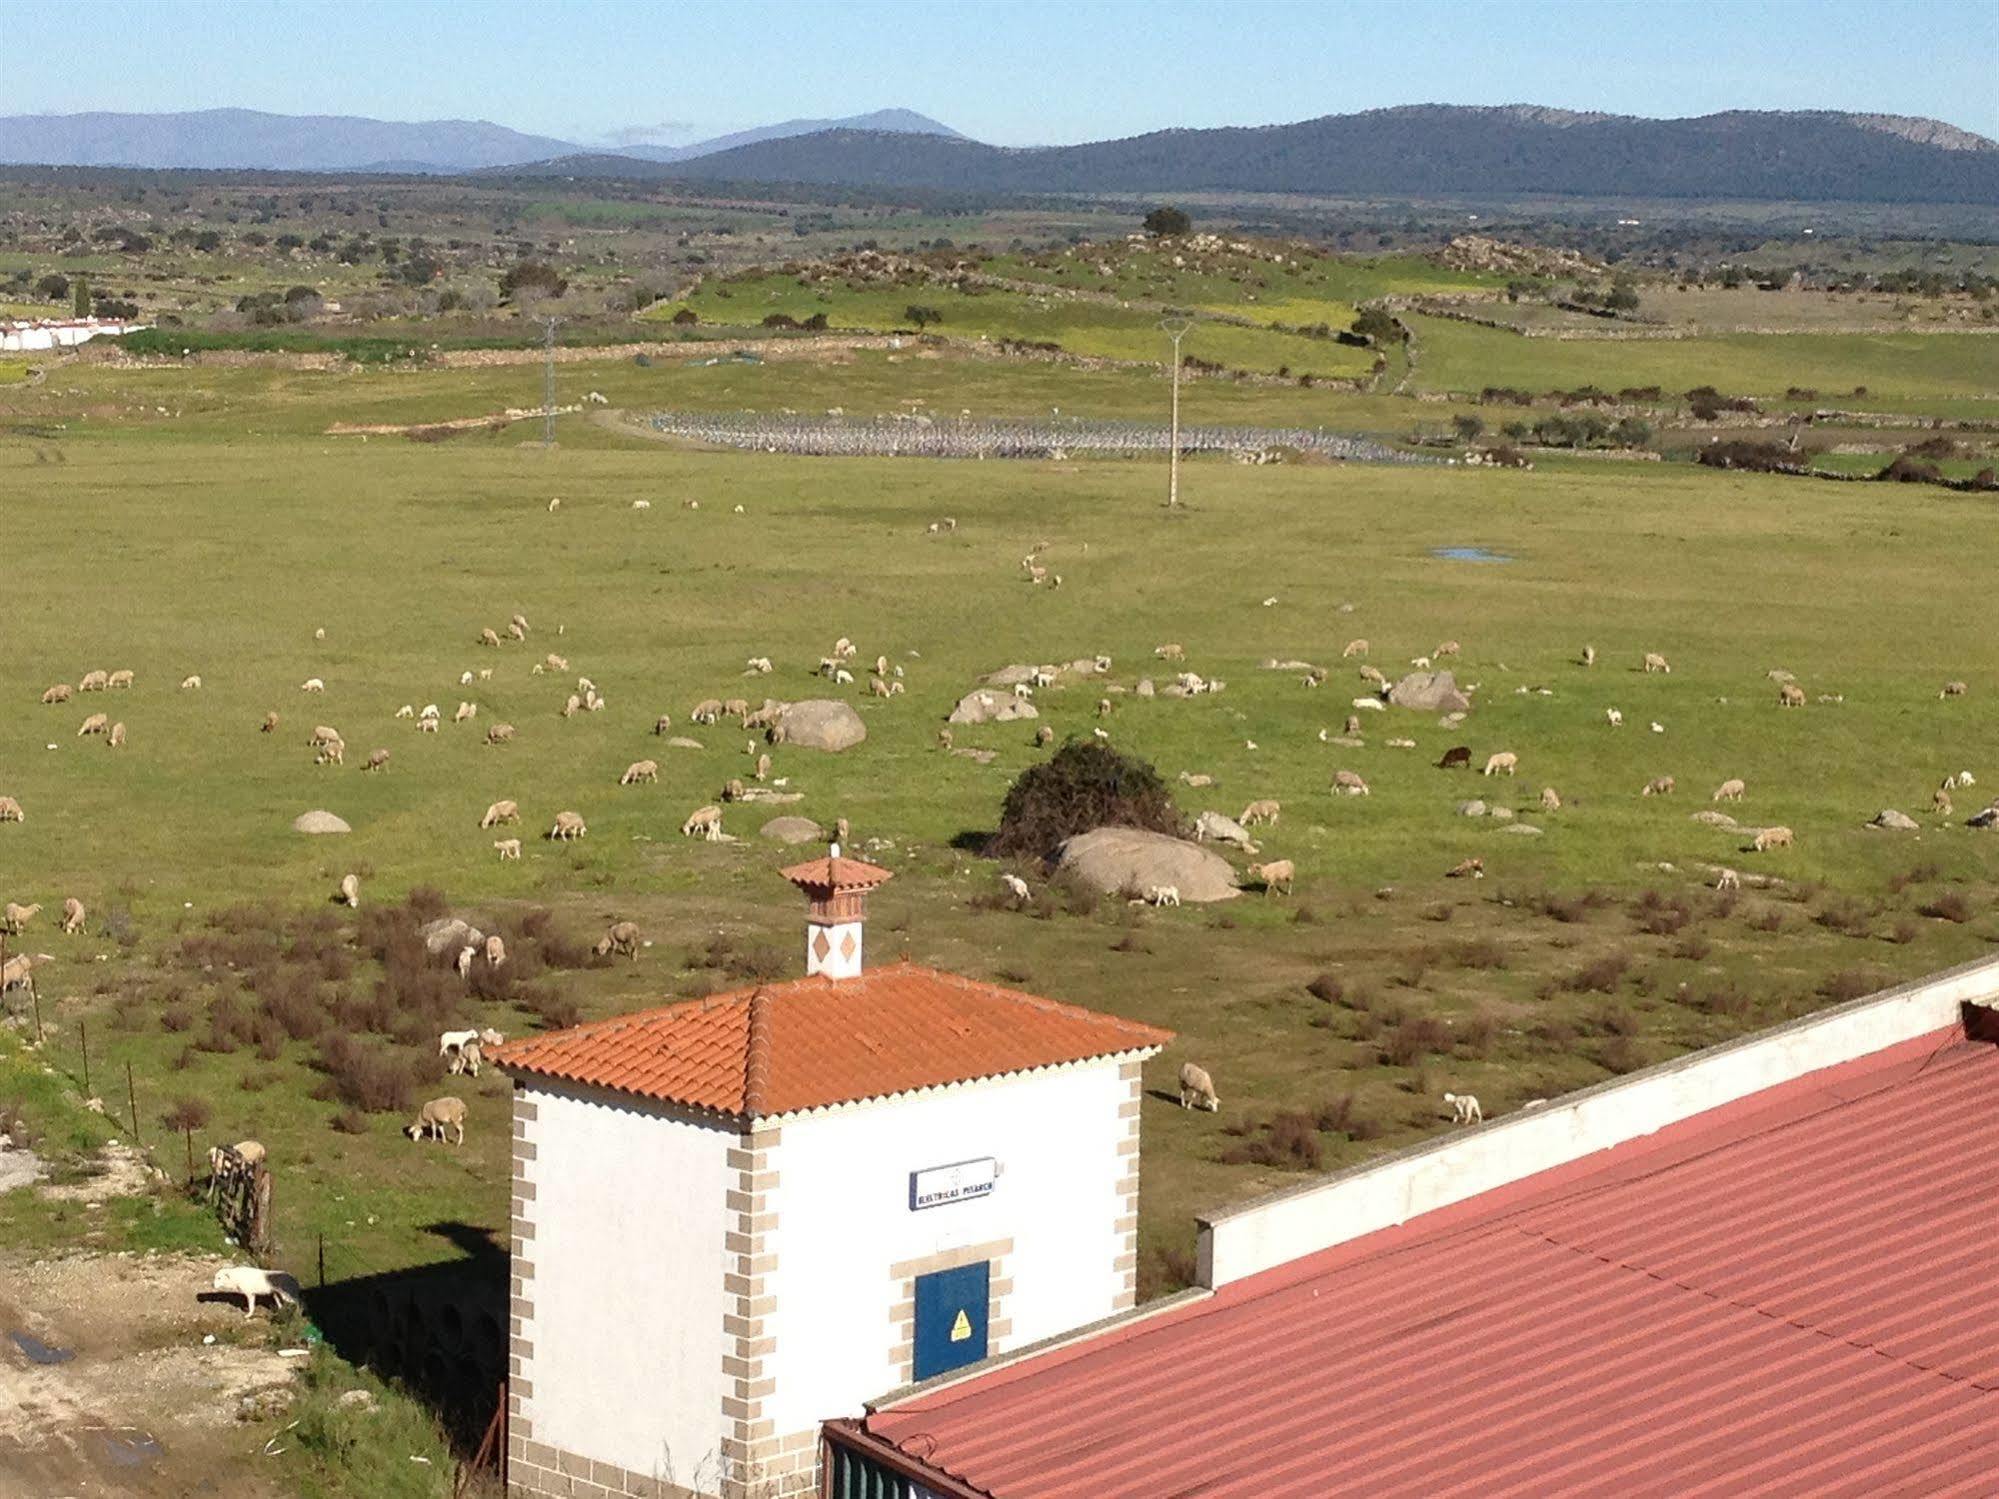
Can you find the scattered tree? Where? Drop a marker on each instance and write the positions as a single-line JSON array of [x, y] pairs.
[[1166, 222], [922, 316], [1084, 785]]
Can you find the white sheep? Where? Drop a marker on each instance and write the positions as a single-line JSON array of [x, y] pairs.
[[92, 681], [496, 957], [468, 1058], [465, 711], [568, 825], [437, 1116], [190, 684], [1656, 662], [405, 711], [1731, 790], [1162, 895], [501, 811], [1464, 1108], [312, 684], [119, 678], [1015, 887], [1728, 879], [639, 770], [451, 1041], [1197, 1089], [703, 822], [510, 848], [350, 891], [251, 1282], [1614, 718], [1505, 760], [72, 916], [1275, 875], [10, 810]]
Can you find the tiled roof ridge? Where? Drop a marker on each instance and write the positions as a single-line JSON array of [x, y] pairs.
[[757, 1055]]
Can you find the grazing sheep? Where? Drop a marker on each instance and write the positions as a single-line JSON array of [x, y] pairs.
[[763, 767], [1458, 755], [72, 916], [1349, 783], [92, 681], [119, 679], [1730, 790], [733, 790], [333, 752], [426, 726], [1372, 674], [662, 724], [1262, 811], [1769, 838], [496, 957], [1354, 648], [1172, 651], [568, 825], [592, 703], [703, 822], [639, 770], [1162, 895], [489, 637], [1954, 689], [350, 890], [1464, 1108], [736, 708], [1790, 695], [1658, 786], [251, 1282], [1197, 1089], [10, 810], [1551, 799], [573, 707], [1421, 663], [843, 649], [97, 723], [708, 710], [437, 1116], [405, 711], [500, 733], [555, 663], [270, 724], [843, 678], [465, 679], [1043, 737], [622, 939], [468, 1058], [510, 848], [757, 666], [18, 917], [321, 734], [1466, 869], [376, 760], [1940, 801], [1275, 875], [1727, 879], [116, 737], [190, 684], [312, 684], [1656, 662], [56, 694], [1015, 887], [465, 711], [1505, 760], [1614, 718], [18, 973]]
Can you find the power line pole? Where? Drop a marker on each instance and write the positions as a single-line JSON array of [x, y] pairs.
[[548, 386], [1175, 328]]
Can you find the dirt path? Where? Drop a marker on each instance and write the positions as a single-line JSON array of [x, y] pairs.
[[106, 1387]]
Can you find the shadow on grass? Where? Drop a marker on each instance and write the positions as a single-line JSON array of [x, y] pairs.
[[440, 1329]]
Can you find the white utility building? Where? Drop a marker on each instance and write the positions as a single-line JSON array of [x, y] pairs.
[[737, 1217]]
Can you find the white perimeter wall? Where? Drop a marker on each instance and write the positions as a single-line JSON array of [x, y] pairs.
[[843, 1218], [628, 1254], [1261, 1235]]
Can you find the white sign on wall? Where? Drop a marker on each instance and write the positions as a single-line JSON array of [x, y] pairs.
[[955, 1183]]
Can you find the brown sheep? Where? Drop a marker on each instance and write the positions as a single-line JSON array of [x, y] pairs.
[[500, 733], [1790, 695], [1456, 757]]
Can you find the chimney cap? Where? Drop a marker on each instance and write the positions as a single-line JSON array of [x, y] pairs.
[[835, 875]]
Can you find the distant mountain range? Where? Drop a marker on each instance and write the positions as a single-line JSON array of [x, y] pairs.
[[246, 138], [1412, 151]]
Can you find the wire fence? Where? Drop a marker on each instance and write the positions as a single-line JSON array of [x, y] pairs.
[[995, 437]]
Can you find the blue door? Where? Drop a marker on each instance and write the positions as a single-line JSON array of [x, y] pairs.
[[951, 1318]]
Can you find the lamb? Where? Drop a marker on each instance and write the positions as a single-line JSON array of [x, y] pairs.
[[592, 703], [1277, 874], [622, 939], [92, 681], [1614, 718], [510, 848], [1354, 648], [312, 684], [1790, 695], [1656, 662], [437, 1116], [10, 810], [1551, 799], [757, 666], [1262, 811], [350, 890], [1730, 790], [703, 822], [270, 724], [639, 770], [56, 694], [117, 735], [1505, 760], [465, 679], [377, 760], [500, 733], [18, 917], [1954, 689], [1769, 838], [119, 679], [1727, 879], [1464, 1108], [1349, 783], [843, 678], [1197, 1089], [97, 723], [72, 916], [449, 1042], [1658, 786], [1015, 887], [1162, 895], [190, 684], [465, 711], [1458, 755], [468, 1058], [251, 1282], [568, 825]]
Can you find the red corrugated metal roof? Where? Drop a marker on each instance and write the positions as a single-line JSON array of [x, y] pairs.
[[1784, 1297], [818, 1041]]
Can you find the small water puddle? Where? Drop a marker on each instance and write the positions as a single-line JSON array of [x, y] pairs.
[[131, 1448], [39, 1352], [1468, 554]]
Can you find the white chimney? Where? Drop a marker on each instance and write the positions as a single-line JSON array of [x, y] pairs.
[[836, 890]]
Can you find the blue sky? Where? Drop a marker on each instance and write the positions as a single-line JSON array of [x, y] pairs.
[[1015, 72]]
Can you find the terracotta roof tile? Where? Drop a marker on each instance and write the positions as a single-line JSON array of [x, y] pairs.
[[836, 873], [817, 1041]]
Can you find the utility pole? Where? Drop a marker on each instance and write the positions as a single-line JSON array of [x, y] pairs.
[[548, 385], [1175, 328]]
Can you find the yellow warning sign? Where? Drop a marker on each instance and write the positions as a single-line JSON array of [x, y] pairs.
[[962, 1328]]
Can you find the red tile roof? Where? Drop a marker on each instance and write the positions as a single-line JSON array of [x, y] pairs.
[[836, 873], [819, 1041], [1788, 1296]]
